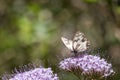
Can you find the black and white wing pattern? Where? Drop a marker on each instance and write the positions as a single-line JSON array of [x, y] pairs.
[[68, 43], [80, 42]]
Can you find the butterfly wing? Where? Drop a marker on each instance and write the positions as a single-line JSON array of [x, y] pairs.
[[68, 43], [80, 43]]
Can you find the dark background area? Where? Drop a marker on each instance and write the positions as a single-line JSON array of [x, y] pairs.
[[30, 31]]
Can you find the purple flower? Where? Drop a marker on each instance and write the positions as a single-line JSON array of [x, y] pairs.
[[87, 65], [35, 74]]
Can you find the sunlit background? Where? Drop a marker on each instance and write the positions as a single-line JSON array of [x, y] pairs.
[[30, 31]]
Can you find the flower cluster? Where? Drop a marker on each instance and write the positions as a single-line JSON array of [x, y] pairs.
[[87, 65], [36, 74]]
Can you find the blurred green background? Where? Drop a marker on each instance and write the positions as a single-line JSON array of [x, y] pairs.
[[30, 31]]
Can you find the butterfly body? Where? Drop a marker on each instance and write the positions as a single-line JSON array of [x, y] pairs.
[[75, 52], [78, 45]]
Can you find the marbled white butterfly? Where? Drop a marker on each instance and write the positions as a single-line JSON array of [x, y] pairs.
[[79, 43]]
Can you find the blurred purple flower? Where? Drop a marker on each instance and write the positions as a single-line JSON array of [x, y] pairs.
[[35, 74], [87, 65]]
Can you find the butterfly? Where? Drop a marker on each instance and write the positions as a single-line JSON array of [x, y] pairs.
[[79, 43]]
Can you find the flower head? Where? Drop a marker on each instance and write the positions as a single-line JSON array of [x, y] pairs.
[[87, 65], [35, 74]]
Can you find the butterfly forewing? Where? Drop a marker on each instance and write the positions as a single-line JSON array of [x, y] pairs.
[[80, 43], [68, 43]]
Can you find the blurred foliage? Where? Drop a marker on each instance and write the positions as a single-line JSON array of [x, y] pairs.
[[91, 1], [31, 30]]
